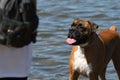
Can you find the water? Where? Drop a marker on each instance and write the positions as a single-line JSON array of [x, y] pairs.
[[51, 53]]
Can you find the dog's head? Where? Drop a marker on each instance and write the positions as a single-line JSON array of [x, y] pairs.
[[80, 31]]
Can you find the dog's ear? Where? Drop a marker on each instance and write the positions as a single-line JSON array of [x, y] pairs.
[[93, 26], [76, 20]]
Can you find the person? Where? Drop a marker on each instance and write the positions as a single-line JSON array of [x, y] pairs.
[[15, 62]]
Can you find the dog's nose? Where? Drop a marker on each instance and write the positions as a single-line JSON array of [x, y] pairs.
[[71, 30], [71, 33]]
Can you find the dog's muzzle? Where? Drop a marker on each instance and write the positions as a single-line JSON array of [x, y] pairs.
[[75, 37]]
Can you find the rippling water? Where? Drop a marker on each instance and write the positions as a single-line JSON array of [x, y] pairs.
[[51, 53]]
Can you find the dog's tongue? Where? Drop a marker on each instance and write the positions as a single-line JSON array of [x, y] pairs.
[[70, 40]]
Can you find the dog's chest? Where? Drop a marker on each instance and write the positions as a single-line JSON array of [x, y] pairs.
[[80, 62]]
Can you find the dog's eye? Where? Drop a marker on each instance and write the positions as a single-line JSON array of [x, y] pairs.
[[80, 25], [82, 29]]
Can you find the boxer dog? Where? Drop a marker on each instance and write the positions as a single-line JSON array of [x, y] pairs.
[[92, 50]]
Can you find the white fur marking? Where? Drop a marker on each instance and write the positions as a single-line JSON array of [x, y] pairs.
[[80, 63]]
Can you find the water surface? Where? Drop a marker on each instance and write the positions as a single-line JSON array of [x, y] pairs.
[[51, 53]]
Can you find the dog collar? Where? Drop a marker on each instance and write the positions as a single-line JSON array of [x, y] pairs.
[[89, 44]]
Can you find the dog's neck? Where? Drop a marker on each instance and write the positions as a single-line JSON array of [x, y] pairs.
[[90, 41]]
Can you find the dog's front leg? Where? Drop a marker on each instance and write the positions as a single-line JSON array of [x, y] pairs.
[[102, 74], [93, 76], [73, 75]]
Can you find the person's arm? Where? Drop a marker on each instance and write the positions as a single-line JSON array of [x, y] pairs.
[[35, 3]]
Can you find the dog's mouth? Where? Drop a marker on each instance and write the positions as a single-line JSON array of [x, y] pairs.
[[71, 41], [77, 40]]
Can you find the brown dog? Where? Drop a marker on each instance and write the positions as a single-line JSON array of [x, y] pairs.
[[92, 50]]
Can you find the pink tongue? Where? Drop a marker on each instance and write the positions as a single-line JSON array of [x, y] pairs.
[[70, 41]]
